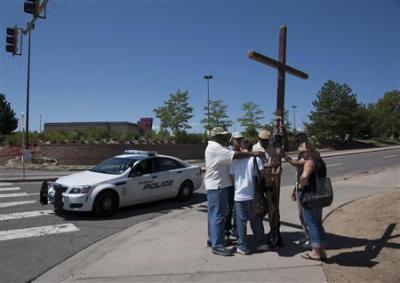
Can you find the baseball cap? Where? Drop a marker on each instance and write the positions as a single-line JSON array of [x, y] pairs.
[[237, 135]]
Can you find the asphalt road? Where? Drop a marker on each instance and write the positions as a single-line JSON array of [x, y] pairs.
[[26, 258]]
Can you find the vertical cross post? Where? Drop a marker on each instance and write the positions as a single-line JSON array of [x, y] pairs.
[[280, 103]]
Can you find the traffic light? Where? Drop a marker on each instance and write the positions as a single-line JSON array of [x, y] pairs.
[[12, 40], [32, 7]]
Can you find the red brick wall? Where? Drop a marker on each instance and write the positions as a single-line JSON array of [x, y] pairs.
[[73, 154]]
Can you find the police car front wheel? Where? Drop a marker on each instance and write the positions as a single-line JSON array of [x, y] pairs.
[[185, 191], [105, 204]]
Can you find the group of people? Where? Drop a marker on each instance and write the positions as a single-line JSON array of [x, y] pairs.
[[232, 164]]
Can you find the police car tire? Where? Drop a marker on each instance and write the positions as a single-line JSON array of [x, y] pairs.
[[98, 206], [185, 191]]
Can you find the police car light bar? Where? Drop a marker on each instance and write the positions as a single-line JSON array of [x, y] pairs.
[[142, 152]]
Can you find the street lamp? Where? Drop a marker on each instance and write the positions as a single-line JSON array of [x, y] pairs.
[[294, 118], [208, 78]]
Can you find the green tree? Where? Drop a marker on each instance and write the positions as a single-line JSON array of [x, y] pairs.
[[8, 121], [386, 115], [251, 118], [336, 117], [175, 113], [218, 116]]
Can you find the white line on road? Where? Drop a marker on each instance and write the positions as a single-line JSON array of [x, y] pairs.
[[335, 164], [15, 203], [17, 195], [9, 189], [390, 156], [37, 231], [5, 184], [27, 214]]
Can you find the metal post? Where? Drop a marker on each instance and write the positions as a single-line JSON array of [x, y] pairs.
[[208, 104], [40, 123], [23, 145], [27, 93], [294, 118], [208, 78]]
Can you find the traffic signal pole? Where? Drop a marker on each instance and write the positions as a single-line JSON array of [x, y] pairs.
[[27, 95]]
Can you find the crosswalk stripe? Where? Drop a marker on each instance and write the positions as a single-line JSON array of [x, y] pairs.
[[37, 231], [5, 184], [15, 203], [9, 189], [17, 195], [27, 214]]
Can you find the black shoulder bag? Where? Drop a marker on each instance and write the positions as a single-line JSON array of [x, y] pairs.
[[259, 202]]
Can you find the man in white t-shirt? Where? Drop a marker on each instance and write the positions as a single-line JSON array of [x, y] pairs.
[[243, 172], [218, 183]]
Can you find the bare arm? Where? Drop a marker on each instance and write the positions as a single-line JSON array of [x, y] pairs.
[[296, 163], [308, 169]]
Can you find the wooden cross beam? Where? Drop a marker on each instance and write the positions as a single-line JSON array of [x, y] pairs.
[[282, 69]]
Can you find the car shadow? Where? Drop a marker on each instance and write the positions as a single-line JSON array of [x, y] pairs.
[[160, 207]]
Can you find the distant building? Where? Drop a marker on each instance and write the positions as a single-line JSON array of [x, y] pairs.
[[109, 127]]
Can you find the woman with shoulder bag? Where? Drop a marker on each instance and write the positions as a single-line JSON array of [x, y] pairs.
[[314, 166]]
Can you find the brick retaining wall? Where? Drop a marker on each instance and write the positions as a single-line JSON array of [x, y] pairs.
[[82, 154]]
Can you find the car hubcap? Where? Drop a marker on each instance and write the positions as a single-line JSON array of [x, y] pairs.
[[186, 191], [107, 204]]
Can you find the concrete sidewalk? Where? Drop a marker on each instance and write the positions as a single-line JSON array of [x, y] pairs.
[[172, 248], [38, 175]]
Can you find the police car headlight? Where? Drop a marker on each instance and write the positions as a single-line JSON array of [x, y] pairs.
[[80, 190]]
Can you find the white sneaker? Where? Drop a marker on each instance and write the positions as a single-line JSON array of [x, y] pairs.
[[262, 248]]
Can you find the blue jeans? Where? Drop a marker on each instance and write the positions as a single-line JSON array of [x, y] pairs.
[[230, 221], [217, 209], [244, 212], [313, 221]]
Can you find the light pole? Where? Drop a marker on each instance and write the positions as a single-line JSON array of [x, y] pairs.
[[294, 118], [208, 78]]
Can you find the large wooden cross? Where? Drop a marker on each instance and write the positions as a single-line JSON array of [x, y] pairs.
[[282, 69]]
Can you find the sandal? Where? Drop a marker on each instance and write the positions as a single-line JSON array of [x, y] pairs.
[[309, 257]]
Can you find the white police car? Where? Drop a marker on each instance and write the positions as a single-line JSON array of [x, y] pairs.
[[132, 178]]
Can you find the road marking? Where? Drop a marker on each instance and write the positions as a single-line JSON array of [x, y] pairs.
[[37, 231], [10, 189], [335, 164], [15, 203], [5, 184], [17, 195], [390, 156], [27, 214]]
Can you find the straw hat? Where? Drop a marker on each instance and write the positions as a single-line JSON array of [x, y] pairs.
[[264, 135]]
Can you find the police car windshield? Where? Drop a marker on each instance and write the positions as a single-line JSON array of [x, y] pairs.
[[114, 166]]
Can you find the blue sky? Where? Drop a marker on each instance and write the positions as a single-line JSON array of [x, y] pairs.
[[118, 60]]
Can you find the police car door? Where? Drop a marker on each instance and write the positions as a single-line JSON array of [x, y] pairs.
[[169, 172], [140, 181]]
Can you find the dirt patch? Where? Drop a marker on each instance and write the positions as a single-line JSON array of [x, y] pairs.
[[364, 240]]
